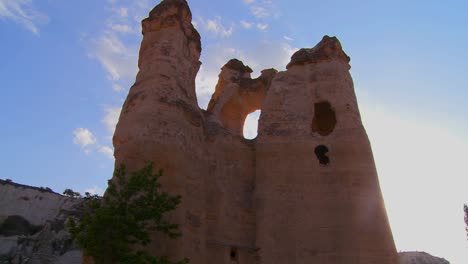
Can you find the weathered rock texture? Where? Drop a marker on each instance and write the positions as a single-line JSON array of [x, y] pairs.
[[32, 225], [304, 191]]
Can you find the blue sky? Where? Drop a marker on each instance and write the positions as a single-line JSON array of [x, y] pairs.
[[66, 69]]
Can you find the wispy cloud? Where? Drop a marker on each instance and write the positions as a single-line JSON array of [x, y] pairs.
[[117, 87], [107, 151], [23, 12], [118, 59], [262, 26], [111, 117], [263, 9], [260, 12], [116, 44], [121, 28], [214, 26], [83, 137], [246, 24]]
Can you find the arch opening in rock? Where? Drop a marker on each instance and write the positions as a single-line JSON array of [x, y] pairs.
[[250, 129], [324, 120], [320, 152]]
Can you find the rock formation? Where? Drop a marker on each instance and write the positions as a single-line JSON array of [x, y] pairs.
[[304, 191], [416, 257], [32, 225]]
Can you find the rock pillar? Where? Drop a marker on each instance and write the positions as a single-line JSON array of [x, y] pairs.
[[317, 193], [161, 122]]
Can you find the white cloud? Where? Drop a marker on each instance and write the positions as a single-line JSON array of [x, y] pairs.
[[260, 12], [214, 26], [248, 2], [111, 117], [246, 24], [119, 60], [22, 12], [121, 28], [122, 12], [288, 38], [262, 26], [107, 151], [94, 190], [117, 87], [83, 137], [116, 44], [264, 9]]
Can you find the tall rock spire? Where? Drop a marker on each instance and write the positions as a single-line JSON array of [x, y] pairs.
[[317, 190], [161, 122]]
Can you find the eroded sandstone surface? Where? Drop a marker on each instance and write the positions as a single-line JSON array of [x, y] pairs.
[[304, 191]]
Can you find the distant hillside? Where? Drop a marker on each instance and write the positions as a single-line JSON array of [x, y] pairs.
[[32, 225], [415, 257]]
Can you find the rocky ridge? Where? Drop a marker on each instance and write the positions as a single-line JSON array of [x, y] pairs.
[[32, 225]]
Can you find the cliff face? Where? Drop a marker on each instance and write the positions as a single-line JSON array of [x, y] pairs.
[[304, 191], [32, 225]]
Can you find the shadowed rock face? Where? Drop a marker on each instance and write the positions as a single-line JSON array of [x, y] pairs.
[[304, 191], [416, 257]]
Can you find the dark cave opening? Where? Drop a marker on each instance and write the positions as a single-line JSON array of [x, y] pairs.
[[324, 120], [320, 152]]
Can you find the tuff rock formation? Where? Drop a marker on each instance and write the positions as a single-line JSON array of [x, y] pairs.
[[32, 225], [304, 191]]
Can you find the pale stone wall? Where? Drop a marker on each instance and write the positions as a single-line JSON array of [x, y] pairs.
[[36, 230], [36, 205]]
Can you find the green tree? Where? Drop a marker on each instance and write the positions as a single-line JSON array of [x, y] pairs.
[[71, 193], [115, 228]]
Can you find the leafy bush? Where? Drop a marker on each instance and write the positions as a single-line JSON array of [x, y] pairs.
[[71, 193]]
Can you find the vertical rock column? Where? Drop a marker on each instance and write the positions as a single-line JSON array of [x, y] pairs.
[[161, 122], [317, 193], [230, 215]]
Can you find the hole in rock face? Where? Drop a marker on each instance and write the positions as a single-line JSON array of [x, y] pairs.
[[251, 125], [233, 254], [324, 120], [320, 152]]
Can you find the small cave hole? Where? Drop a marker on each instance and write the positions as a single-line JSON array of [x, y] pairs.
[[320, 152], [324, 120], [251, 125], [233, 254]]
